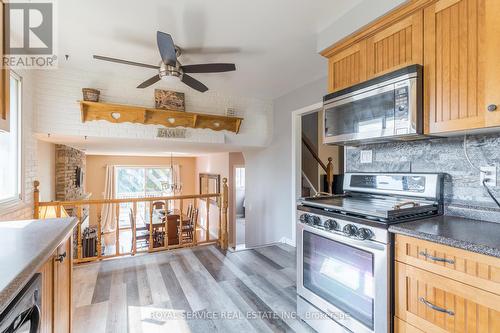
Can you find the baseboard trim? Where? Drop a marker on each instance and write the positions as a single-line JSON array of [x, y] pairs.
[[288, 241]]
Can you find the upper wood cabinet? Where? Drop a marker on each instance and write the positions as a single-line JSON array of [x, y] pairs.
[[347, 67], [460, 68], [4, 80], [396, 46], [456, 41]]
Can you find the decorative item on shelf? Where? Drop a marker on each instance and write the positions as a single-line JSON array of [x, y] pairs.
[[50, 212], [230, 112], [170, 100], [90, 94], [174, 133], [174, 186]]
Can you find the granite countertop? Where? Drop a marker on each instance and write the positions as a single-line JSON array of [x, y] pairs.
[[471, 235], [26, 245]]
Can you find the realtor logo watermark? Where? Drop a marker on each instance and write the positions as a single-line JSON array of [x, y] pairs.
[[30, 35]]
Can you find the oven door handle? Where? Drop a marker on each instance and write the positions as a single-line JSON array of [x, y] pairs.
[[35, 319], [367, 245], [32, 315]]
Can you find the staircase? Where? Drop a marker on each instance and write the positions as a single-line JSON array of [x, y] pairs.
[[325, 184]]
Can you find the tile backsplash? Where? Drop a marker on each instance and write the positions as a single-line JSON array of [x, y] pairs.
[[463, 193]]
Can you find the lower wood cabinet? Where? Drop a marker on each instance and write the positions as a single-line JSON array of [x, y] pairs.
[[56, 290], [436, 296]]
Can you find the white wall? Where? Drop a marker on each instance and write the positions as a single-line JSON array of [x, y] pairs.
[[269, 172], [58, 112], [47, 170], [24, 209]]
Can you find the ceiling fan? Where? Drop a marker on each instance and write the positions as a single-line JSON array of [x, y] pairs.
[[171, 67]]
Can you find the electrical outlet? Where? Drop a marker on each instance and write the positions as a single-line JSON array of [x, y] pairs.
[[366, 156], [490, 174]]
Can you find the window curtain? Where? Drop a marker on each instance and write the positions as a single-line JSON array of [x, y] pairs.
[[108, 211]]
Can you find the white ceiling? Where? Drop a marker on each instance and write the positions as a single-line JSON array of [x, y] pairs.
[[276, 40]]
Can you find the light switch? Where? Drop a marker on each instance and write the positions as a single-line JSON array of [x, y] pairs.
[[366, 156]]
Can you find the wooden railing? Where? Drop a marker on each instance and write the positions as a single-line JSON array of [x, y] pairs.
[[94, 218], [328, 168]]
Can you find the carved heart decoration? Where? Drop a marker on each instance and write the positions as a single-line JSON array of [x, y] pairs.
[[115, 115]]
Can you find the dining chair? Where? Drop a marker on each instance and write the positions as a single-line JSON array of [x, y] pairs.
[[187, 230]]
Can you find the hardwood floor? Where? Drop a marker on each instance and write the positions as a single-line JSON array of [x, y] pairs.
[[189, 290]]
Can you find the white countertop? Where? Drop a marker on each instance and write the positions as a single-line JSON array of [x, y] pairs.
[[26, 245]]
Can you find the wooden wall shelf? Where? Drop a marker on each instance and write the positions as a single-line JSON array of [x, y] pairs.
[[117, 113]]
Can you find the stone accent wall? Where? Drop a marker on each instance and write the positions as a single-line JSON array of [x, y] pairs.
[[463, 193], [67, 160]]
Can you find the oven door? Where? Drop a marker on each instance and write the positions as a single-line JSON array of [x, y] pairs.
[[22, 315], [346, 278]]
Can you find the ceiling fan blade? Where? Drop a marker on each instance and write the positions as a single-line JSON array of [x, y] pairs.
[[149, 82], [167, 48], [209, 68], [193, 83], [125, 62], [210, 50]]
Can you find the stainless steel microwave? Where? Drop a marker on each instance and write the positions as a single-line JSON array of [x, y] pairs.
[[384, 108]]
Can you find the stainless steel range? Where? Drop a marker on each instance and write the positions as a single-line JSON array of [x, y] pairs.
[[344, 251]]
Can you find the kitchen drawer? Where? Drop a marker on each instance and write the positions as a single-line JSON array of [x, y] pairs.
[[423, 297], [474, 269], [401, 326]]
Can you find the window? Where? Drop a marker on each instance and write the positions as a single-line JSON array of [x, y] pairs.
[[240, 177], [10, 147], [137, 182]]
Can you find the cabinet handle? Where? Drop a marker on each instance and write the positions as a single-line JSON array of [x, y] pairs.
[[61, 257], [427, 255], [492, 108], [435, 307]]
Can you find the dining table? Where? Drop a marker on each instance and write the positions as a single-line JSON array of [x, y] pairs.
[[173, 218]]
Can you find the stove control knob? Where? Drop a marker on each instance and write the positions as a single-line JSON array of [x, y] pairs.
[[350, 230], [364, 233], [331, 225], [303, 218], [316, 220]]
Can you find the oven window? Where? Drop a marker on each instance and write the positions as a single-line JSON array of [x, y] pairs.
[[341, 275], [370, 114]]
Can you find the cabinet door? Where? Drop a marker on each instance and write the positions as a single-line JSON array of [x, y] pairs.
[[62, 287], [4, 80], [454, 39], [347, 67], [47, 296], [434, 303], [396, 46]]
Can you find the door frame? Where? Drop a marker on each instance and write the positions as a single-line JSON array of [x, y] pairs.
[[233, 217], [297, 159]]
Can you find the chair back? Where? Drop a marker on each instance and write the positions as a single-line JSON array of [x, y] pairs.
[[189, 211], [131, 216], [158, 205], [194, 217]]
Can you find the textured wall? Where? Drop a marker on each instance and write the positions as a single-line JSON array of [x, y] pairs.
[[24, 208], [464, 195], [58, 113], [67, 160]]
